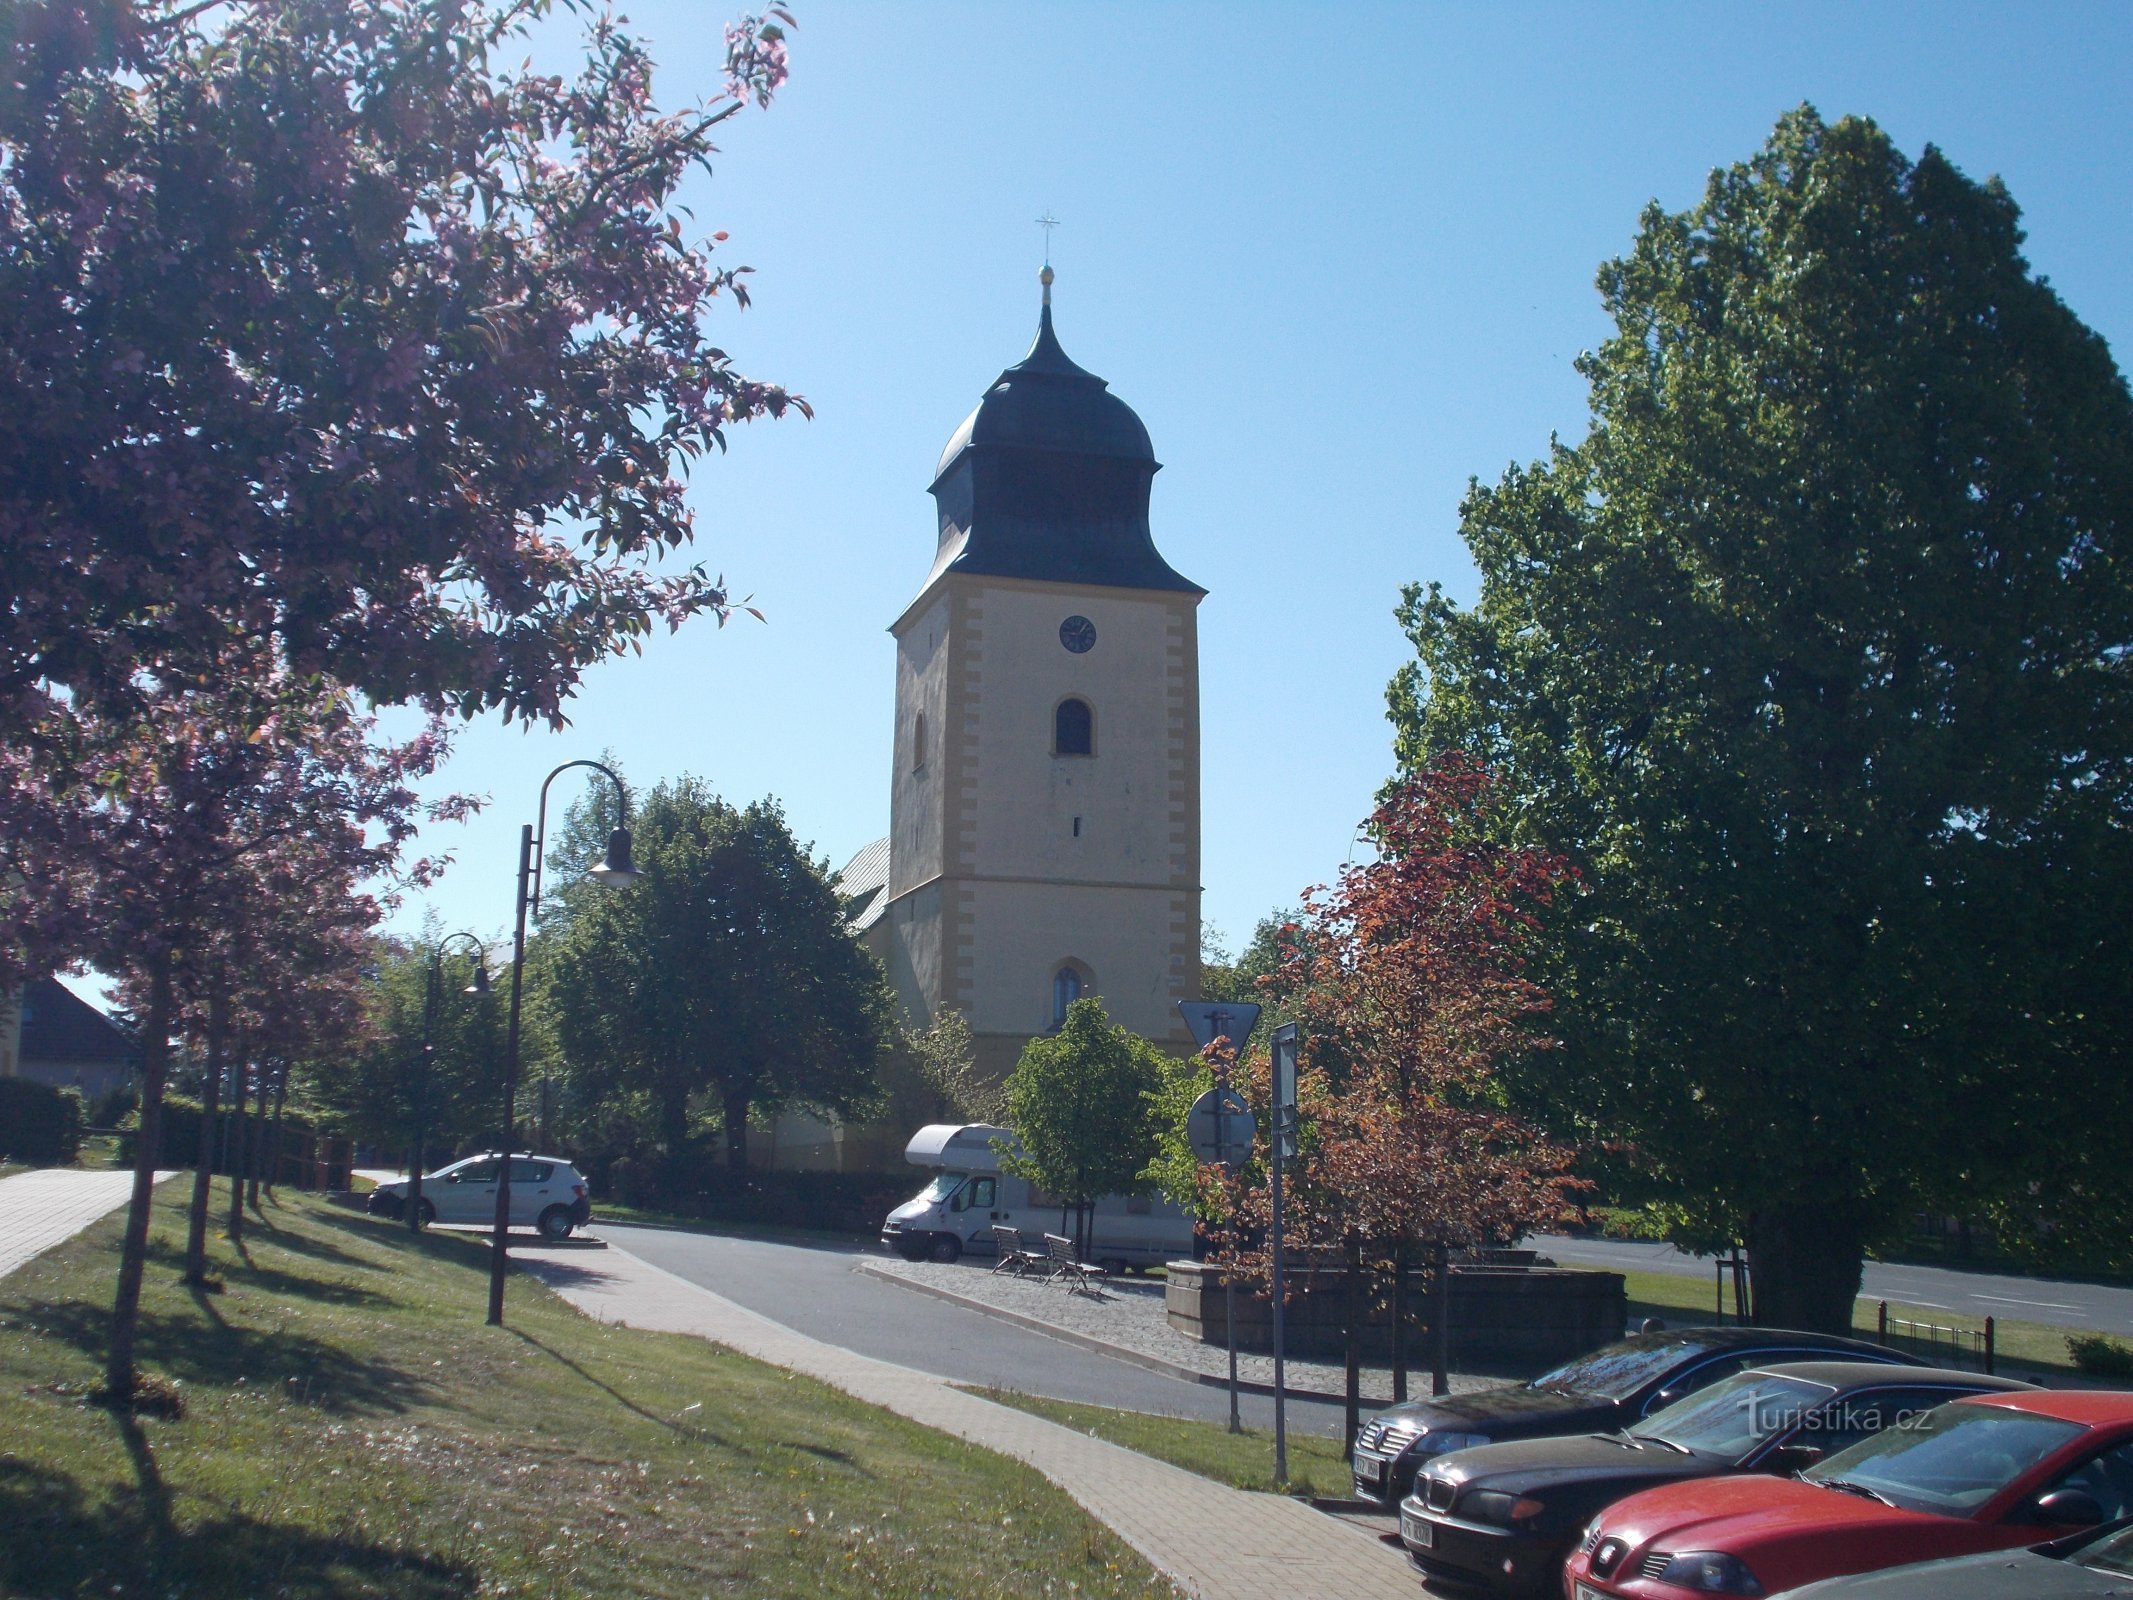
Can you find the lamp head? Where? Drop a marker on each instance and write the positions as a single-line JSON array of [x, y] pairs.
[[617, 871], [480, 985]]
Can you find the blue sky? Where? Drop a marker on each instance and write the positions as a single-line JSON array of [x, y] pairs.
[[1338, 258]]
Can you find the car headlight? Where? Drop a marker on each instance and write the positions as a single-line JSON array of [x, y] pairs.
[[1713, 1571], [1492, 1505], [1437, 1444]]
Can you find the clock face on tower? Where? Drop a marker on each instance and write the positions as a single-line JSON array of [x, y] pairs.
[[1078, 634]]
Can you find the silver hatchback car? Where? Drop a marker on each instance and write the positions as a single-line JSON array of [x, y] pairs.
[[547, 1193]]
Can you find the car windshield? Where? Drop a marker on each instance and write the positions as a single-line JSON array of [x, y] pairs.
[[1619, 1370], [1951, 1460], [2113, 1553], [1729, 1419], [944, 1185]]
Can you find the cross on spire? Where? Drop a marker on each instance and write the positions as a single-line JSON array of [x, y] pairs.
[[1047, 222]]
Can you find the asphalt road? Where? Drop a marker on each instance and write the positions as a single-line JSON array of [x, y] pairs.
[[1970, 1295], [815, 1290]]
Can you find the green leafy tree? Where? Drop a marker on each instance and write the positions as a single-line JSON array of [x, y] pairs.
[[1224, 976], [947, 1062], [723, 978], [1812, 656], [1082, 1103], [382, 1088]]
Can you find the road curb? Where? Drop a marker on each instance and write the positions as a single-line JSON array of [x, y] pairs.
[[1104, 1347]]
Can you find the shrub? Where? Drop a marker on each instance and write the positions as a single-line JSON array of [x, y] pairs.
[[39, 1125], [114, 1107], [2100, 1356]]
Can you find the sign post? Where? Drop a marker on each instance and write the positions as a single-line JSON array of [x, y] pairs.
[[1284, 1150], [1220, 1127]]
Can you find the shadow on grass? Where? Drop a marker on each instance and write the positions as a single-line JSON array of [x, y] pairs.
[[272, 1280], [673, 1425], [438, 1244], [63, 1541], [563, 1274], [219, 1353]]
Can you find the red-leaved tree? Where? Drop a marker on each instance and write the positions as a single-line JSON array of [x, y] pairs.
[[1408, 982]]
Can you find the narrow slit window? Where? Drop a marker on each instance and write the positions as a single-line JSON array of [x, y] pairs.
[[918, 743]]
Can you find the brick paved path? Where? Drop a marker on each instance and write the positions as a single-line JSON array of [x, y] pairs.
[[1212, 1539], [46, 1207]]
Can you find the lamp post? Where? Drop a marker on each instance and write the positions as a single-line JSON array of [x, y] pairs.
[[616, 872], [432, 991]]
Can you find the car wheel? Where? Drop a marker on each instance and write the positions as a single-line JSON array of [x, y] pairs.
[[1113, 1267], [390, 1206], [429, 1213], [556, 1223], [912, 1249], [946, 1247]]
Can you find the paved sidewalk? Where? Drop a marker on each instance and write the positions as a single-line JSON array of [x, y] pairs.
[[1211, 1539], [49, 1206]]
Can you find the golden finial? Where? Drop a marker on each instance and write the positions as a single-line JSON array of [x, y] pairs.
[[1045, 278]]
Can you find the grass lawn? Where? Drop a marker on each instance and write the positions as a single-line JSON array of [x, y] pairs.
[[1680, 1300], [99, 1152], [352, 1428], [1242, 1460]]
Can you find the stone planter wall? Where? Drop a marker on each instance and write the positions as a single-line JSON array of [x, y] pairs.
[[1503, 1317]]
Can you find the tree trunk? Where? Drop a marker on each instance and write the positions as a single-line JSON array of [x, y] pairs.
[[218, 1016], [736, 1110], [1804, 1265], [281, 1100], [1399, 1322], [133, 1250], [237, 1151], [1352, 1355], [1440, 1319]]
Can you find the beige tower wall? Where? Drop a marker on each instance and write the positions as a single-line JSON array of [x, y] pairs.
[[991, 887], [917, 830]]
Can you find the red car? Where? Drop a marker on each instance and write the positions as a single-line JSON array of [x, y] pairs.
[[1987, 1473]]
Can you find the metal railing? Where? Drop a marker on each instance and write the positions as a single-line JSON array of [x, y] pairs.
[[1937, 1339]]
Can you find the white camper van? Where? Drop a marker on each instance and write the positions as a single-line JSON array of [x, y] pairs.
[[969, 1194]]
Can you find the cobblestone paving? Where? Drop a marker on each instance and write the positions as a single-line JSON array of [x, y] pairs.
[[1129, 1316], [1211, 1539], [49, 1206]]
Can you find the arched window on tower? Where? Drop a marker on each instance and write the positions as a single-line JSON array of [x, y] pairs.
[[1073, 729], [1066, 989]]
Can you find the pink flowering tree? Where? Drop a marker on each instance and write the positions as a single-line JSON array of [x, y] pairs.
[[147, 839], [328, 328], [280, 972]]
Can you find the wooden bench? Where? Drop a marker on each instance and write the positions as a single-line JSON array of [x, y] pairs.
[[1014, 1257], [1067, 1266]]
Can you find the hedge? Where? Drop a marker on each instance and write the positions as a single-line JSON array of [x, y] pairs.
[[178, 1133], [39, 1125]]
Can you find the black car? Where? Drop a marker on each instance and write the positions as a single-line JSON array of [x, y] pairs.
[[1502, 1517], [1611, 1388]]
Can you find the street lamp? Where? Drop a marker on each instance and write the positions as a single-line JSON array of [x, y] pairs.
[[617, 872], [432, 992]]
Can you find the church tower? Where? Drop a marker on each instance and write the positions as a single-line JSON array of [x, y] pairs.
[[1045, 801]]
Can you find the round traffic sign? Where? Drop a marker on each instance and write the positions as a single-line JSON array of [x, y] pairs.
[[1220, 1126]]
